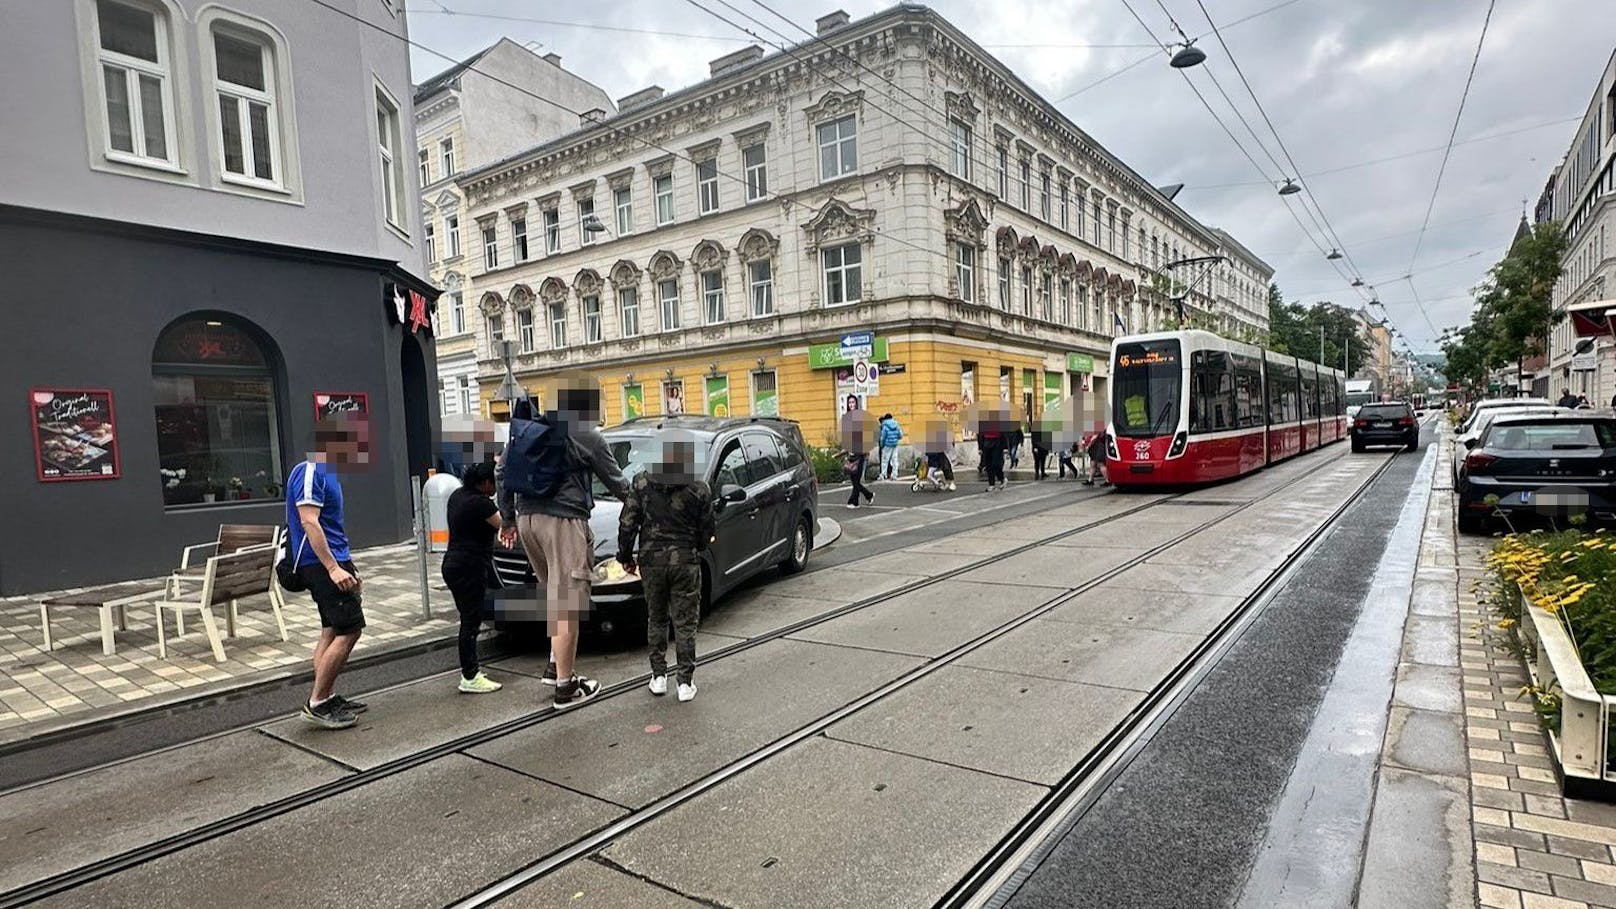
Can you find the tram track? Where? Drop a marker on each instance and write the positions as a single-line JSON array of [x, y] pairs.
[[93, 871]]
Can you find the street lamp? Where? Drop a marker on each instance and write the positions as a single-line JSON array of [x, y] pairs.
[[1188, 55], [1334, 254], [1290, 188], [592, 225], [1357, 282]]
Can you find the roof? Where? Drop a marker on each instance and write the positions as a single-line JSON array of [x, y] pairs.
[[441, 81]]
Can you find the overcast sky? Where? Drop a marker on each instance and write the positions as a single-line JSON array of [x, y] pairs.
[[1344, 81]]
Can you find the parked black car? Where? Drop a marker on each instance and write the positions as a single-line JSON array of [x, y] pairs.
[[1392, 423], [765, 496], [1536, 467]]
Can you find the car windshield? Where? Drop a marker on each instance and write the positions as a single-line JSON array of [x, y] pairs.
[[635, 455], [1147, 376], [1383, 412], [1551, 436], [1359, 398]]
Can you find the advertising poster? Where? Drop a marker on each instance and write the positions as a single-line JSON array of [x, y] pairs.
[[673, 398], [718, 396], [75, 437], [331, 403], [633, 401], [765, 397]]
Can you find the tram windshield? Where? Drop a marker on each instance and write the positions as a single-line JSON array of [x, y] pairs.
[[1146, 378]]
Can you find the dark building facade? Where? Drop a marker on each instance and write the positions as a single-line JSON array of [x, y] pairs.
[[162, 383]]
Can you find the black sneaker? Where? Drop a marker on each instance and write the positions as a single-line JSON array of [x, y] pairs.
[[575, 691], [329, 715], [354, 707], [549, 677]]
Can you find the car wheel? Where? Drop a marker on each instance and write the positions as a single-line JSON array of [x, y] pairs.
[[1357, 447], [1471, 523], [802, 543], [1414, 444]]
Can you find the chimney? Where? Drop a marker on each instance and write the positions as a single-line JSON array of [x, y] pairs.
[[740, 58], [832, 22], [553, 60], [640, 98], [593, 115]]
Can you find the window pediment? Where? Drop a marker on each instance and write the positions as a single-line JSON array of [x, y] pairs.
[[834, 105], [521, 296], [758, 244], [837, 222], [664, 265], [491, 303], [553, 290], [708, 255], [961, 105], [966, 223]]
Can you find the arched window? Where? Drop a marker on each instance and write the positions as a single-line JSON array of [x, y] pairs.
[[218, 430]]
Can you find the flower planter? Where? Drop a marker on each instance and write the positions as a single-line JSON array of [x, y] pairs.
[[1580, 747]]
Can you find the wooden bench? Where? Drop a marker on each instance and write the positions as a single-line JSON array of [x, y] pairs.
[[232, 538], [110, 600], [224, 580]]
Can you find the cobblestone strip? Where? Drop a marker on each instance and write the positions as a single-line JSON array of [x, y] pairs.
[[1534, 849]]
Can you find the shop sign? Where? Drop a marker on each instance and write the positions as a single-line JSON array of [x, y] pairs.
[[718, 396], [331, 403], [827, 356], [409, 308], [1584, 362], [633, 401], [1079, 362], [75, 434]]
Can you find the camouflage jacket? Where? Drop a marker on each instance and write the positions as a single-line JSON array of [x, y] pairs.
[[673, 523]]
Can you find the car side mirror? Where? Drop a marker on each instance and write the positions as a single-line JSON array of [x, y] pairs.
[[1471, 443], [732, 493]]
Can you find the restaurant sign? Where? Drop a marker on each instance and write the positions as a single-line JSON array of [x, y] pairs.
[[408, 308], [75, 437]]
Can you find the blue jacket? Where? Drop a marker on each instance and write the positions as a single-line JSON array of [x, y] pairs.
[[890, 433]]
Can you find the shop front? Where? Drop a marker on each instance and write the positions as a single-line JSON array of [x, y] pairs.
[[171, 391]]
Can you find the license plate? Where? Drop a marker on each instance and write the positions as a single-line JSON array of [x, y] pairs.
[[1526, 498], [1382, 424]]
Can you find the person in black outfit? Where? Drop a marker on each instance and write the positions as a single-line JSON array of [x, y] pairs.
[[468, 566], [1041, 443], [991, 441]]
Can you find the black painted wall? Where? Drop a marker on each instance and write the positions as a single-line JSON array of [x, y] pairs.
[[83, 307]]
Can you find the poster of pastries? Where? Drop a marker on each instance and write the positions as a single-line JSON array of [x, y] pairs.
[[75, 434], [330, 403]]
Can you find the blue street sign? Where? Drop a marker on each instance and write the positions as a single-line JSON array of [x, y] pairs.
[[858, 344]]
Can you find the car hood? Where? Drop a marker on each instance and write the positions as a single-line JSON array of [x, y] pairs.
[[603, 525]]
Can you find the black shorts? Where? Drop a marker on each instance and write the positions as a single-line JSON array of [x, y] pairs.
[[339, 611]]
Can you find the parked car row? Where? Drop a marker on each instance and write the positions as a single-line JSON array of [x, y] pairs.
[[1528, 468]]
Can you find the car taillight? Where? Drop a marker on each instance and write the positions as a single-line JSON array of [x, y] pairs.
[[1407, 421], [1478, 459], [1361, 424]]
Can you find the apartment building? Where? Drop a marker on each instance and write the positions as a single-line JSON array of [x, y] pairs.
[[716, 249], [210, 242]]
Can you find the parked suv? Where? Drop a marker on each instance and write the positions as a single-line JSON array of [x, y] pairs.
[[1386, 424], [764, 494]]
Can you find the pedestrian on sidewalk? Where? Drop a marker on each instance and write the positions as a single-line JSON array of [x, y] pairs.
[[1567, 399], [670, 512], [990, 439], [890, 434], [1012, 443], [468, 566], [1041, 443], [317, 540], [940, 451], [1066, 457], [856, 451], [1096, 457], [545, 499]]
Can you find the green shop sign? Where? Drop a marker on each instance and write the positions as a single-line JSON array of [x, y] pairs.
[[1076, 362], [827, 356]]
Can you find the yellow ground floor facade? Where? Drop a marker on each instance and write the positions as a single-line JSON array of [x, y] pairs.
[[924, 378]]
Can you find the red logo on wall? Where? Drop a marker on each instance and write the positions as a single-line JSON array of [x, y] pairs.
[[410, 309]]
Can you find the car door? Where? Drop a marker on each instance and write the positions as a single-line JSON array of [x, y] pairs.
[[738, 541], [773, 490]]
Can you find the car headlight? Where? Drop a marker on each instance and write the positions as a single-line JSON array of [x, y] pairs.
[[611, 572]]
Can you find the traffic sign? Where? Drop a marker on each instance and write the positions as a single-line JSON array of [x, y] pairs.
[[865, 377], [858, 345]]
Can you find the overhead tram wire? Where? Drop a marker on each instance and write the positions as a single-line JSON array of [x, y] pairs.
[[557, 23], [1452, 134]]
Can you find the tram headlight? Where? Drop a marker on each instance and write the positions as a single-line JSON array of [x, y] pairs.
[[1111, 448], [1180, 442]]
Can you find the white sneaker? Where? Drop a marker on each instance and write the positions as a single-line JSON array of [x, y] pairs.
[[659, 685], [852, 506], [687, 692]]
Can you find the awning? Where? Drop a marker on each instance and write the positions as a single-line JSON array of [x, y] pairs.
[[1593, 318]]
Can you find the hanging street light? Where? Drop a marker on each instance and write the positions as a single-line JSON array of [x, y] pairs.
[[1290, 188], [1334, 254], [1188, 55], [592, 225], [1357, 282]]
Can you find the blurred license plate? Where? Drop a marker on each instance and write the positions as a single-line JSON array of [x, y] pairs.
[[1382, 424]]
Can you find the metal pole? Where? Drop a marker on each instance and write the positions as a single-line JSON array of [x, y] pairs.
[[422, 545]]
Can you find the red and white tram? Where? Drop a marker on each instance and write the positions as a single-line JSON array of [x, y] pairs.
[[1192, 407]]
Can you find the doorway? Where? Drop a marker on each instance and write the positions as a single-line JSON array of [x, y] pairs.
[[418, 401]]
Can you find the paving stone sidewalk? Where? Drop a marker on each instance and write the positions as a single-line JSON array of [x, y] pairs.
[[74, 683], [1533, 848]]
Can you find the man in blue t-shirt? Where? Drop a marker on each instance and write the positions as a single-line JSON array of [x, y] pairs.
[[318, 544]]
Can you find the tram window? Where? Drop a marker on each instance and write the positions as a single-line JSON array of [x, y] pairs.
[[1198, 393], [1145, 387]]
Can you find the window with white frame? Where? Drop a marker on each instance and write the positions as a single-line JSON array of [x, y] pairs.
[[1066, 302], [592, 328], [525, 332], [244, 83], [668, 300], [1111, 230], [1082, 306], [761, 275], [1026, 290], [496, 334], [712, 296], [457, 312], [1098, 236], [1065, 204], [446, 157], [558, 324], [960, 132], [628, 310], [586, 208], [663, 189], [429, 238], [843, 273], [1046, 298], [707, 186], [552, 230], [965, 271], [623, 204], [135, 83], [1043, 195], [1004, 173], [519, 237], [426, 166], [465, 394], [490, 248], [451, 233], [1026, 184], [1004, 284], [755, 159], [838, 148]]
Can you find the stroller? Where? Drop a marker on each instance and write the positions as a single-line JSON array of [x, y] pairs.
[[929, 474]]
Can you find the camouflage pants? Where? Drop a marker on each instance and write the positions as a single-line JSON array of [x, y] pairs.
[[674, 589]]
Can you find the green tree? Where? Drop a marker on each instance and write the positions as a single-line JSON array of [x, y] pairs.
[[1514, 311]]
